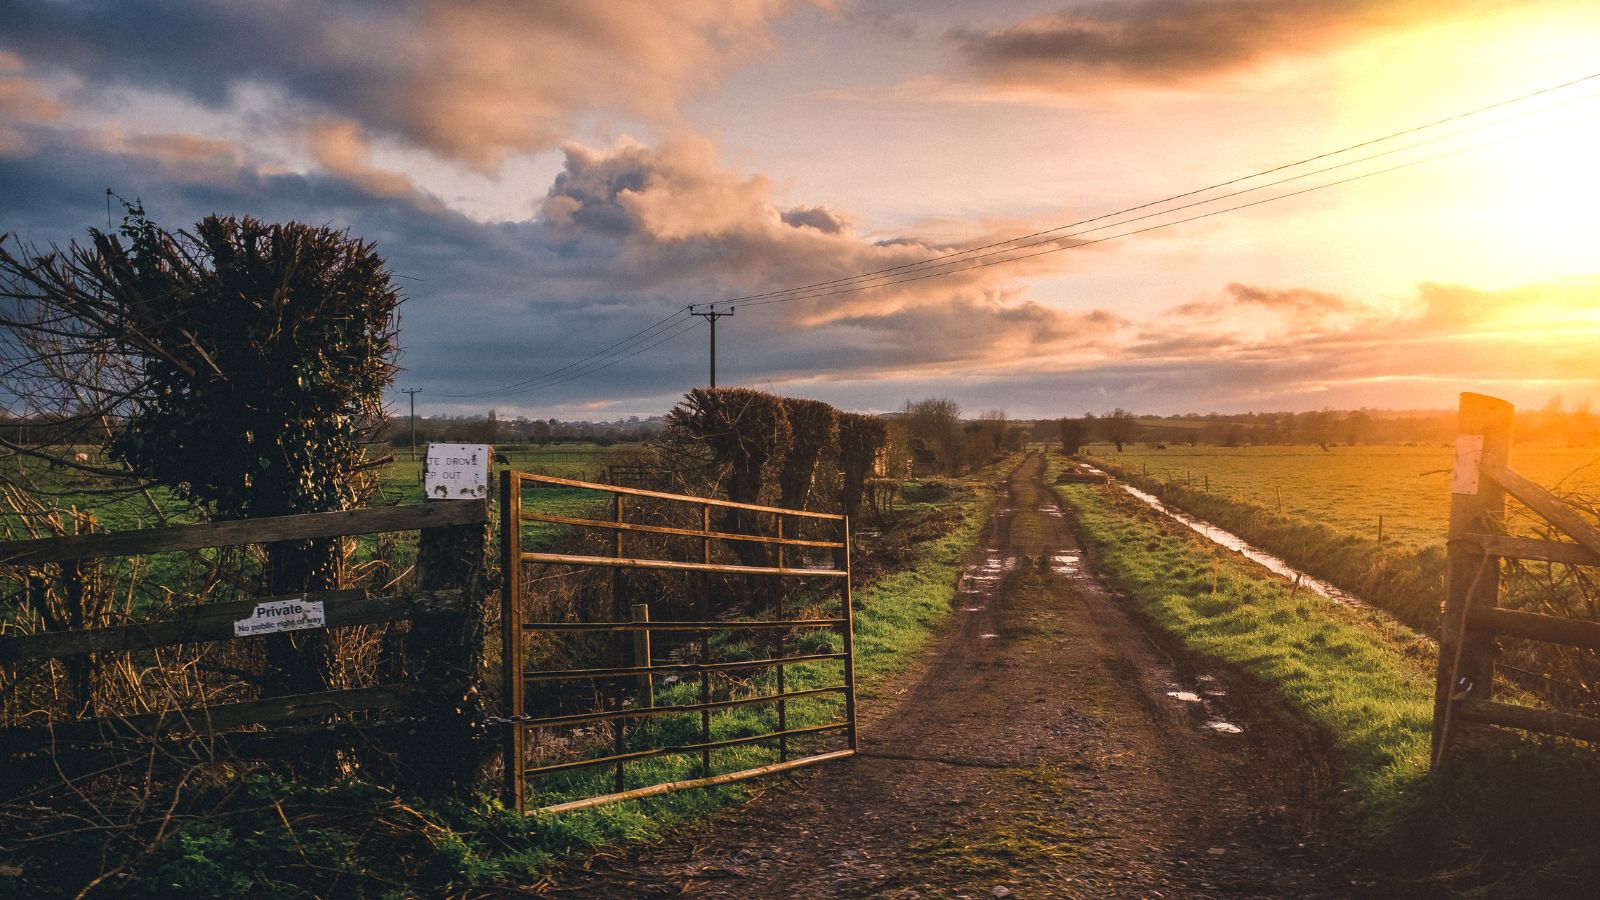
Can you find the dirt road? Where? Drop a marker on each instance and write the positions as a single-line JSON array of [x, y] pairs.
[[1046, 748]]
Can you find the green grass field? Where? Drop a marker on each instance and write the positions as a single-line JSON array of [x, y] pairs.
[[63, 490], [1348, 488]]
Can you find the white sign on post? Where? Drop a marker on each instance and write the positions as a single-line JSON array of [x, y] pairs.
[[1469, 457], [456, 472], [283, 615]]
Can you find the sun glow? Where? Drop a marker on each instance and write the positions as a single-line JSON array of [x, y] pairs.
[[1515, 200]]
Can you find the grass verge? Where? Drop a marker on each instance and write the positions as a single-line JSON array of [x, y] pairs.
[[1509, 817]]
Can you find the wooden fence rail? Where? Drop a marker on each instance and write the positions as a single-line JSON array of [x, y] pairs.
[[1472, 618], [444, 645]]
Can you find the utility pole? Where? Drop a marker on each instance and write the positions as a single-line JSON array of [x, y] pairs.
[[712, 318], [413, 392]]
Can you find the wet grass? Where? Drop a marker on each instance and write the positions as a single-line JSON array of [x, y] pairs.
[[1510, 816]]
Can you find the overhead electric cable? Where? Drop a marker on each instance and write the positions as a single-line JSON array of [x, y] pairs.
[[953, 266], [1159, 225], [976, 257], [642, 334], [1198, 191]]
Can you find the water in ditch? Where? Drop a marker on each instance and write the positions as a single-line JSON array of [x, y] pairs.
[[1238, 545]]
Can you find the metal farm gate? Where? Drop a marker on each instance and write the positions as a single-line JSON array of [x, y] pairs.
[[666, 637]]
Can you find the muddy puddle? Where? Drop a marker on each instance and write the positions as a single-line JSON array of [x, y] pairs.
[[1238, 545], [1200, 700], [979, 576]]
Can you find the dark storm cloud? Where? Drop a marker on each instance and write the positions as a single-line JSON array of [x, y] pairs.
[[1166, 42], [821, 218], [466, 79]]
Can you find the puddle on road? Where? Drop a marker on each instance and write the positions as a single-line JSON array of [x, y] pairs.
[[976, 577], [1065, 563], [1198, 704], [1237, 544]]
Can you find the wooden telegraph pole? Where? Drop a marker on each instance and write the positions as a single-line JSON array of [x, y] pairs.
[[712, 316], [412, 393], [1472, 576]]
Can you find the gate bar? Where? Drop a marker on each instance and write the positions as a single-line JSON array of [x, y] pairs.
[[684, 625], [643, 712], [620, 671], [682, 748], [679, 532], [672, 786], [671, 566]]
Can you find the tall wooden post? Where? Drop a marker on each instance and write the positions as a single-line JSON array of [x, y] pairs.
[[444, 652], [849, 617], [511, 684], [1472, 578]]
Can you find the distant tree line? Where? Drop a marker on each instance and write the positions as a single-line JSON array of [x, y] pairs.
[[1554, 423], [492, 429]]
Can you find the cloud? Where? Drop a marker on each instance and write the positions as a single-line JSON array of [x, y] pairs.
[[465, 79], [1172, 42], [673, 215], [341, 149], [1441, 339], [821, 218], [1297, 300], [629, 234], [23, 101]]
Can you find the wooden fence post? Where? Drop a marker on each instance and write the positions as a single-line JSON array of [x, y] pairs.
[[640, 612], [1472, 577], [444, 650], [512, 684]]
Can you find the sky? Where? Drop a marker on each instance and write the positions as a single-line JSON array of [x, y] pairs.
[[554, 183]]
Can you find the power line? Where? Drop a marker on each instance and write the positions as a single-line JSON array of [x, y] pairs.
[[954, 266], [1155, 227], [979, 257], [867, 276], [535, 381]]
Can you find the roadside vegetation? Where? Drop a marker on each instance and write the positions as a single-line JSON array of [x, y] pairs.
[[1509, 816], [268, 835]]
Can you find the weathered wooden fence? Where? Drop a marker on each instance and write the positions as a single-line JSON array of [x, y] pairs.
[[1472, 616], [443, 649]]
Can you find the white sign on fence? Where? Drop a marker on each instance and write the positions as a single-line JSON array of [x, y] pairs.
[[456, 472], [282, 615]]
